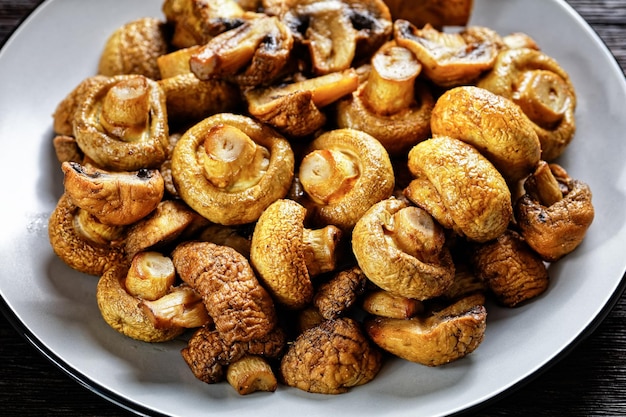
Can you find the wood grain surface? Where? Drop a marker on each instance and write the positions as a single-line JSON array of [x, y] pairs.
[[590, 380]]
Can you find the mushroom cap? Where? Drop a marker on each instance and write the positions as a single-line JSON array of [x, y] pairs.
[[494, 125], [123, 312], [331, 358], [375, 176], [460, 188], [231, 207], [65, 112], [391, 268], [278, 253]]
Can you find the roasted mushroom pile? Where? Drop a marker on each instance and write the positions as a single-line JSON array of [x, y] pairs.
[[301, 189]]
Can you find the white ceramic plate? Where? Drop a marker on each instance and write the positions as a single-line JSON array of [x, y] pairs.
[[59, 45]]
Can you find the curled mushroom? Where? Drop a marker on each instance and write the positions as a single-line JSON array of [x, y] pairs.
[[114, 198], [229, 168], [436, 339], [345, 172], [338, 295], [510, 269], [389, 105], [460, 188], [400, 248], [450, 59], [438, 13], [122, 123], [543, 90], [331, 358], [134, 48], [555, 213], [285, 254], [492, 124]]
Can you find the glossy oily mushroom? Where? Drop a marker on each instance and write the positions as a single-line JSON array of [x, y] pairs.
[[543, 90], [400, 248], [450, 59], [344, 172], [494, 125], [229, 168], [460, 188], [122, 124], [389, 104], [438, 13]]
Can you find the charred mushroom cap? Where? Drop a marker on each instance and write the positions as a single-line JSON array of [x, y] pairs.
[[114, 198], [460, 188], [390, 105], [386, 244], [239, 305], [345, 172], [134, 48], [252, 54], [543, 90], [438, 13], [122, 123], [250, 166], [445, 336], [450, 59], [511, 269], [554, 226], [331, 358], [285, 254], [65, 112], [295, 109], [335, 32], [79, 248], [123, 312], [494, 125], [195, 22]]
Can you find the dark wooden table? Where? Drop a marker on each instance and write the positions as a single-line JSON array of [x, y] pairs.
[[590, 380]]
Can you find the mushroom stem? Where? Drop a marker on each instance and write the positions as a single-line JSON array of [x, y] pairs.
[[416, 233], [93, 230], [543, 186], [320, 249], [251, 374], [390, 86], [543, 96], [126, 109], [326, 175], [150, 276], [181, 307]]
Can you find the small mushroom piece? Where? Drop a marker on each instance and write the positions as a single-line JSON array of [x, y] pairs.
[[492, 124], [114, 198], [252, 54], [66, 149], [344, 172], [543, 90], [134, 48], [123, 312], [238, 304], [438, 13], [555, 213], [460, 188], [385, 304], [436, 339], [182, 306], [122, 123], [513, 272], [400, 248], [450, 59], [296, 109], [285, 254], [331, 358], [81, 242], [150, 276], [229, 168], [389, 105], [251, 374], [338, 295]]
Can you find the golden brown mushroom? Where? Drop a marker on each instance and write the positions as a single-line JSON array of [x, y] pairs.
[[438, 13], [385, 304], [250, 374], [331, 358], [182, 306], [122, 123], [344, 172], [286, 255], [555, 213], [389, 105], [543, 90], [229, 168], [460, 188], [66, 149], [150, 276], [134, 48], [338, 295], [436, 339], [450, 59], [400, 248], [494, 125]]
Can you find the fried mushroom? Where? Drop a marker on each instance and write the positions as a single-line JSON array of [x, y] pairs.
[[438, 13], [338, 295]]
